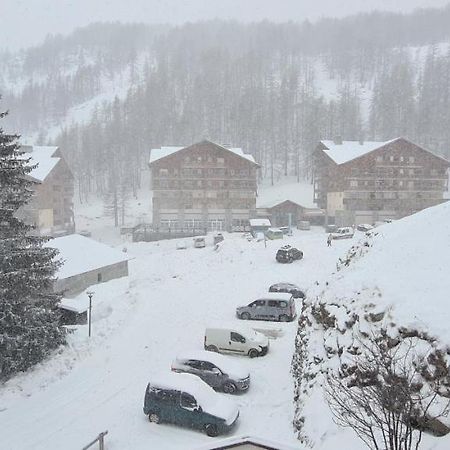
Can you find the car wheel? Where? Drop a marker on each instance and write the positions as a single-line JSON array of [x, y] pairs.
[[154, 418], [253, 353], [229, 387], [284, 318], [245, 316], [212, 348], [211, 430]]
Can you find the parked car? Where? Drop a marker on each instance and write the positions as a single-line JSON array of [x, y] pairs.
[[272, 306], [181, 245], [218, 238], [288, 254], [330, 228], [343, 233], [199, 242], [304, 225], [286, 230], [364, 227], [185, 400], [236, 340], [287, 288], [218, 371], [274, 233]]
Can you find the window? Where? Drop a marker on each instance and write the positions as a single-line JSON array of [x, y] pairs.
[[257, 303], [169, 397], [220, 160], [411, 159], [391, 158], [99, 277], [353, 183], [276, 303], [379, 159], [402, 159], [194, 364], [236, 337], [187, 401], [163, 172]]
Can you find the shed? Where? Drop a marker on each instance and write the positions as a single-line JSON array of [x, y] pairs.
[[259, 226], [247, 443], [74, 310], [287, 212], [86, 262]]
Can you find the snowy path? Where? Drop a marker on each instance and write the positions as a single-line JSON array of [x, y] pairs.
[[170, 298]]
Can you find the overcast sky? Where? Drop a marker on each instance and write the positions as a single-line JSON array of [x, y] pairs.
[[27, 22]]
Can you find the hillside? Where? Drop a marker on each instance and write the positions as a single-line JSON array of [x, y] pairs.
[[395, 279]]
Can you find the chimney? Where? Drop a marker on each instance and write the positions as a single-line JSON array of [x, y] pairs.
[[338, 140]]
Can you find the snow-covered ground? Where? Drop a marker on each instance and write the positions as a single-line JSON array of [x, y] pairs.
[[139, 324]]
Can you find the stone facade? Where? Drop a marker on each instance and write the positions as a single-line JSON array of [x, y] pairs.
[[205, 185]]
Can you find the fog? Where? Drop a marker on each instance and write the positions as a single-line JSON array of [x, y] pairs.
[[27, 22]]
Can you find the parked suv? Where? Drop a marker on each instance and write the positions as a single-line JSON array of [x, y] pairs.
[[219, 371], [273, 306], [287, 288], [183, 399], [288, 254], [343, 233]]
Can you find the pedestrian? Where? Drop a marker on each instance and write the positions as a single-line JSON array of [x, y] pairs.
[[329, 240]]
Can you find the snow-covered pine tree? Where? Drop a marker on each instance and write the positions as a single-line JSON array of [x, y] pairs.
[[29, 319]]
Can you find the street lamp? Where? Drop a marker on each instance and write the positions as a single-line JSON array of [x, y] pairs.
[[90, 294]]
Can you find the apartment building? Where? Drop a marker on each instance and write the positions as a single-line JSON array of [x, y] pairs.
[[202, 186], [360, 182]]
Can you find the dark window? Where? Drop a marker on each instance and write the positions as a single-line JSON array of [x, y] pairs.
[[194, 364], [274, 303], [99, 277], [257, 303], [187, 401], [236, 337], [169, 397]]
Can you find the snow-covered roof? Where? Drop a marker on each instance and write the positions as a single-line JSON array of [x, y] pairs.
[[260, 223], [43, 156], [81, 255], [78, 305], [288, 190], [159, 153], [275, 296], [349, 150], [236, 441]]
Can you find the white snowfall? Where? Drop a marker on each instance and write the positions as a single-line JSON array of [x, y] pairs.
[[142, 322]]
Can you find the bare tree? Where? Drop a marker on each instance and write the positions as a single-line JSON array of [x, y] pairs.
[[388, 394]]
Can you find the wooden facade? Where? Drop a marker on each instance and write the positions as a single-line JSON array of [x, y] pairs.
[[205, 185], [395, 179], [51, 207]]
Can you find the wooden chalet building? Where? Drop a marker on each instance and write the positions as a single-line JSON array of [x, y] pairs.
[[205, 185], [363, 182], [51, 207]]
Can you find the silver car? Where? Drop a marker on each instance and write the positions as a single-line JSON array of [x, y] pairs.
[[272, 306], [218, 371]]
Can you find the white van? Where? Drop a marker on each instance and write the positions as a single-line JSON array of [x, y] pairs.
[[199, 242], [241, 341]]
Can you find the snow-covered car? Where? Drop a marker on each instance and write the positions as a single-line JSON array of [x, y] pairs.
[[185, 400], [343, 233], [199, 242], [287, 288], [236, 340], [181, 245], [218, 371], [288, 254], [364, 227]]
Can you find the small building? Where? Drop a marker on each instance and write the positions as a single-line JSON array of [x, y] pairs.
[[86, 262], [202, 186], [365, 182], [51, 207], [247, 443], [287, 212], [74, 311], [259, 226]]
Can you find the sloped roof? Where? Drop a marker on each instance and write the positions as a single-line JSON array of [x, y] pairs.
[[349, 150], [158, 153], [299, 193], [43, 156], [81, 255], [241, 441]]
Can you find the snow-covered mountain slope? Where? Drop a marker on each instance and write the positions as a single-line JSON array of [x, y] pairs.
[[397, 279]]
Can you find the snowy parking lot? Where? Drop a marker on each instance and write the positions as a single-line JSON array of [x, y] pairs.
[[140, 323]]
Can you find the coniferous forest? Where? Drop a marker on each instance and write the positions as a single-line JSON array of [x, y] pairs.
[[272, 89]]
